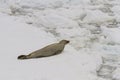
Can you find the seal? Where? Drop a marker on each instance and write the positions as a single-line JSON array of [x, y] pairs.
[[47, 51]]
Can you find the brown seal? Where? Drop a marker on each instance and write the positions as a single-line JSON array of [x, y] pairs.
[[49, 50]]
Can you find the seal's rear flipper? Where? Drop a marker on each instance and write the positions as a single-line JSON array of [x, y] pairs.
[[22, 57]]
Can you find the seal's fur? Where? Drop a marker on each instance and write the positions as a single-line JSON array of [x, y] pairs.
[[49, 50]]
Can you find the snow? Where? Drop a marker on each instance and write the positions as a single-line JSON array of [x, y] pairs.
[[111, 34], [93, 18], [92, 26], [116, 74], [17, 34]]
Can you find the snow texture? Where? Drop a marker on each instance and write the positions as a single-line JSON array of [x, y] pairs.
[[92, 26]]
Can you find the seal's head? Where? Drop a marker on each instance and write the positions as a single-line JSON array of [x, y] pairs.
[[64, 42]]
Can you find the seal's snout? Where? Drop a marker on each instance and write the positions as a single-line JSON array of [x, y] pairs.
[[64, 41], [67, 41]]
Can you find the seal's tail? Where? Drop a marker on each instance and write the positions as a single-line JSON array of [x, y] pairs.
[[22, 57]]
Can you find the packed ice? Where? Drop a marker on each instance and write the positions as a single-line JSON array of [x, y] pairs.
[[92, 26]]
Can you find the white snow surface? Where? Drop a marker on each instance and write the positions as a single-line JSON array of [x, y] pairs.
[[92, 26], [20, 38]]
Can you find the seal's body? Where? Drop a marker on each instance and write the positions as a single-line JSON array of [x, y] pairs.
[[49, 50]]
